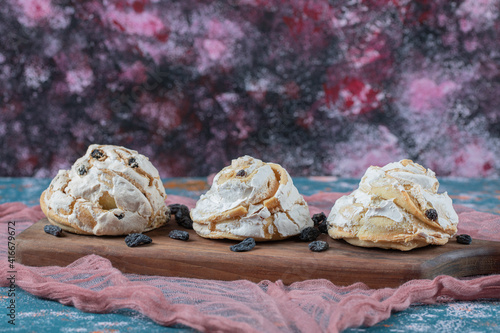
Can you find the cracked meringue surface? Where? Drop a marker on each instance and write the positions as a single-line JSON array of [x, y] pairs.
[[111, 190], [395, 207], [251, 198]]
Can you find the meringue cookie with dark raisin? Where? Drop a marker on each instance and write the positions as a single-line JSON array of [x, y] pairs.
[[251, 198], [111, 190], [395, 207]]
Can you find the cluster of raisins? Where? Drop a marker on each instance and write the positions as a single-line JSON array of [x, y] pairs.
[[182, 216], [245, 245], [53, 230], [179, 234], [133, 240], [310, 234]]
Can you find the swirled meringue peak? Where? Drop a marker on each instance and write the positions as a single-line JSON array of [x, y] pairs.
[[395, 207], [251, 198]]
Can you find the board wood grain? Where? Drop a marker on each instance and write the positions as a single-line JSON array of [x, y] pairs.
[[289, 260]]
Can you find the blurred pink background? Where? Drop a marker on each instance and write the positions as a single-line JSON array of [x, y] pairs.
[[321, 87]]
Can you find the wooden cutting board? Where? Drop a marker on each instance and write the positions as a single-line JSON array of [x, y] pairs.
[[288, 260]]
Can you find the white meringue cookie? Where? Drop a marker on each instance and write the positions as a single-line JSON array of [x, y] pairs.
[[251, 198], [110, 190], [393, 208]]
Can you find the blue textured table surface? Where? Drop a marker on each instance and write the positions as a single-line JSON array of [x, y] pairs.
[[35, 315]]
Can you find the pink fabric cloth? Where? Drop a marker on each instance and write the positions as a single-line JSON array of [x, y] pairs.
[[92, 284]]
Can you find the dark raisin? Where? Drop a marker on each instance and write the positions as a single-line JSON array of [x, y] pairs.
[[184, 220], [53, 230], [431, 214], [174, 208], [182, 216], [120, 216], [309, 234], [318, 246], [179, 234], [464, 239], [82, 170], [320, 222], [137, 239], [318, 218], [97, 154], [133, 163], [323, 228], [245, 245], [241, 173]]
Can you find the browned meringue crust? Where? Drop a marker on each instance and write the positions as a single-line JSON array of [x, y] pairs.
[[389, 210], [251, 198], [111, 190]]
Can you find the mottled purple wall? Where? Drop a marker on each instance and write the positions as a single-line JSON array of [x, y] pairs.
[[321, 87]]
